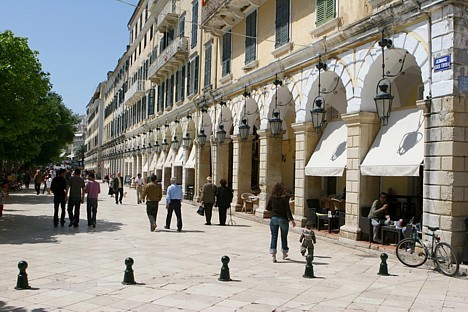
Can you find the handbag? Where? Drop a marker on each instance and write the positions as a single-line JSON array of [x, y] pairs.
[[201, 210]]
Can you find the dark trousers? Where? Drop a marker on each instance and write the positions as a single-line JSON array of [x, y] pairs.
[[91, 210], [74, 205], [174, 206], [222, 215], [152, 211], [119, 195], [208, 212], [59, 201], [45, 188], [37, 187]]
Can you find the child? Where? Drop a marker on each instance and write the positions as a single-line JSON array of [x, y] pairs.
[[308, 240], [1, 202]]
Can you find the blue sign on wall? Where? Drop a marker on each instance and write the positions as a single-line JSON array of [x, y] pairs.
[[442, 62]]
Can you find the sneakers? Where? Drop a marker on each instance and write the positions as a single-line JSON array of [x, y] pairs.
[[285, 255], [274, 258]]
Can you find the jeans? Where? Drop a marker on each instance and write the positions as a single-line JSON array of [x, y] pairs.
[[74, 215], [376, 227], [59, 201], [152, 211], [91, 210], [275, 224]]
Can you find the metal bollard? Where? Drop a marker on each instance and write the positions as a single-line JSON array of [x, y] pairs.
[[309, 269], [383, 270], [129, 279], [22, 281], [224, 275]]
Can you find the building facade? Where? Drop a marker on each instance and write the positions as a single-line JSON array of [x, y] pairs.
[[94, 120], [237, 90]]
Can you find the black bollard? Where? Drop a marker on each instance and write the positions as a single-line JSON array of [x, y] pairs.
[[129, 279], [309, 269], [224, 275], [22, 281], [383, 265]]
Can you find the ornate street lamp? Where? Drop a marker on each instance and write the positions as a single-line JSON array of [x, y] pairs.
[[164, 145], [318, 111], [221, 133], [384, 98], [175, 144], [202, 137], [275, 121], [186, 140], [244, 128], [157, 147]]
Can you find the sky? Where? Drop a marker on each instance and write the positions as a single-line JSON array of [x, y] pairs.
[[78, 41]]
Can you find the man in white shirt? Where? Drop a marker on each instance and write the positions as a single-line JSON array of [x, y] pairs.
[[139, 188]]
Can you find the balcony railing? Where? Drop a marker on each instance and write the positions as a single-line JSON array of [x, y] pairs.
[[135, 93], [174, 55], [168, 17]]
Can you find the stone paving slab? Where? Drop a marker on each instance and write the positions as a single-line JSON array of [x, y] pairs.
[[82, 269]]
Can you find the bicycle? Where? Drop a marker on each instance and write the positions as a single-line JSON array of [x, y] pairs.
[[413, 252]]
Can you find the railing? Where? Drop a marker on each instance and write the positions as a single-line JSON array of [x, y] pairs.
[[168, 16], [210, 7], [179, 47], [136, 92]]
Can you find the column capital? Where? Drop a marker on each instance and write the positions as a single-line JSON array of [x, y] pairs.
[[360, 118]]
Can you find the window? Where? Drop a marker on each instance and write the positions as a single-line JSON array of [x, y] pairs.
[[170, 91], [325, 11], [151, 99], [182, 26], [193, 76], [180, 84], [194, 23], [161, 97], [207, 77], [226, 56], [251, 37], [282, 22]]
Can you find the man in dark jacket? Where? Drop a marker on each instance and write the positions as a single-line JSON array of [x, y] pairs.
[[59, 188], [208, 199], [118, 188]]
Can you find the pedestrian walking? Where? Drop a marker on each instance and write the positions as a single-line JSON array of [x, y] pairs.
[[173, 204], [118, 188], [208, 199], [152, 194], [278, 204], [2, 195], [27, 179], [139, 188], [111, 186], [307, 240], [92, 189], [59, 189], [38, 178], [223, 200], [76, 193]]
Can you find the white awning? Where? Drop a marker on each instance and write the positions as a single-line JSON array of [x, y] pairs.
[[153, 162], [330, 156], [169, 159], [179, 159], [160, 163], [398, 149], [191, 159]]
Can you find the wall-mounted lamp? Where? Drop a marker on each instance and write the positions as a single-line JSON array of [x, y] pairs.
[[318, 111], [244, 128], [186, 140], [164, 145], [175, 144], [202, 137], [384, 98], [221, 133]]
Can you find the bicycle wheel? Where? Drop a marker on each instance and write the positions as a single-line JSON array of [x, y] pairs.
[[446, 260], [411, 253]]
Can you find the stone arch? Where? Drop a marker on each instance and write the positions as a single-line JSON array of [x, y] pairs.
[[284, 102], [226, 120], [249, 109]]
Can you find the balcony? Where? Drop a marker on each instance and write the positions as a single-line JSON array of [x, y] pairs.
[[135, 93], [221, 15], [168, 17], [169, 60]]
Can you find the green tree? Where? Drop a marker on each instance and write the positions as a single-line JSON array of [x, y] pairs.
[[34, 123], [80, 152]]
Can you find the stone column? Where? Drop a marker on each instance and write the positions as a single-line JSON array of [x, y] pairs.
[[135, 165], [270, 167], [305, 187], [204, 159], [220, 161], [144, 173], [241, 169], [361, 190]]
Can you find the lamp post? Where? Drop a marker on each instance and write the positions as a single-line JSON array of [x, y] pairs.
[[275, 121], [384, 98], [318, 111], [244, 128]]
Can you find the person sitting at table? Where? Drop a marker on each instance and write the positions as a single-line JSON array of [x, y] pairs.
[[378, 214]]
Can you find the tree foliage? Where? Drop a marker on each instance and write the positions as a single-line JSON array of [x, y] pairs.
[[35, 125]]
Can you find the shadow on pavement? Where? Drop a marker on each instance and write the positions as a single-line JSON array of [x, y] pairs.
[[28, 197], [20, 229], [5, 307]]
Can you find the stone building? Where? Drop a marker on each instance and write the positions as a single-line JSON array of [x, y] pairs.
[[237, 89], [94, 122]]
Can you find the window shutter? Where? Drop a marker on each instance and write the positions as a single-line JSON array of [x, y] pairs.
[[282, 23], [331, 10], [195, 73], [251, 39], [151, 102], [325, 11], [226, 57], [182, 26], [194, 24], [182, 83], [207, 76], [189, 68]]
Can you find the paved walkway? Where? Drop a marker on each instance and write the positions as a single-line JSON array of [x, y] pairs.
[[82, 269]]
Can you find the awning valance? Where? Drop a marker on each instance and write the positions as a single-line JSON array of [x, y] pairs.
[[330, 156], [398, 149], [191, 159], [179, 159]]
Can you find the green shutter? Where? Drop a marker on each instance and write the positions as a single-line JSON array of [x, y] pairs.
[[325, 11], [251, 37], [207, 77], [282, 22]]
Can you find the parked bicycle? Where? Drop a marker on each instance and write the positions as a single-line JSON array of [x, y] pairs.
[[413, 252]]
